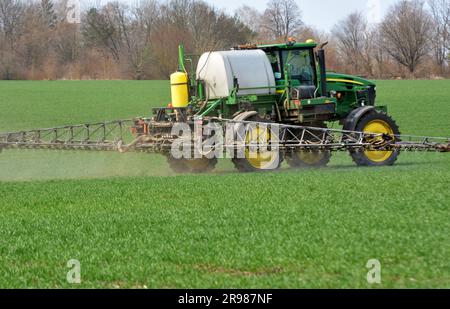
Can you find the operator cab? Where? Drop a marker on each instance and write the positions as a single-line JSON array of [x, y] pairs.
[[301, 65], [298, 62]]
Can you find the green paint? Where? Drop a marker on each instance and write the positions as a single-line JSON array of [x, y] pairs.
[[298, 66]]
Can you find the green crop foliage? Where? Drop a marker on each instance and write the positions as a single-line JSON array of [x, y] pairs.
[[132, 223]]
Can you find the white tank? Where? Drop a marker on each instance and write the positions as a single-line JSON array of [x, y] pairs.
[[251, 67]]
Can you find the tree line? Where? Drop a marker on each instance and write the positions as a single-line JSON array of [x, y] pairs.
[[119, 41]]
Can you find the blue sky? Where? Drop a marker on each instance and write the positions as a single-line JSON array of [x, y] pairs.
[[322, 14], [331, 10]]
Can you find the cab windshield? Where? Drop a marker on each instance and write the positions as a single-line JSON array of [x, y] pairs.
[[301, 65]]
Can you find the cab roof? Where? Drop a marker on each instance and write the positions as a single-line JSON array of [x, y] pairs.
[[288, 46]]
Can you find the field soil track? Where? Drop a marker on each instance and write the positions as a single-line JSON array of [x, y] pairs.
[[132, 223]]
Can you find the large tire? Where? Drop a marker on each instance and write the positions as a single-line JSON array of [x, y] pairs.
[[309, 158], [196, 166], [271, 160], [376, 122]]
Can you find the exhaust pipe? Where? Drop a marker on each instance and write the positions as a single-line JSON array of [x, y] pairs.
[[323, 69]]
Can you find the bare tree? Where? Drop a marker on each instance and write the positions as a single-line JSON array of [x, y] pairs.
[[140, 40], [11, 19], [100, 31], [145, 15], [11, 29], [199, 26], [130, 41], [378, 52], [282, 18], [440, 11], [249, 17], [354, 42], [48, 12], [66, 43], [407, 28], [35, 43], [202, 23]]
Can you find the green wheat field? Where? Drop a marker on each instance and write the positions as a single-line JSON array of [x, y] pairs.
[[132, 223]]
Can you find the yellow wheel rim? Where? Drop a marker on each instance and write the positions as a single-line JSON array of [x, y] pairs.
[[379, 127], [257, 158], [310, 157]]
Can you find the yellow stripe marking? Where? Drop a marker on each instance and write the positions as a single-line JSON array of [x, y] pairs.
[[344, 81]]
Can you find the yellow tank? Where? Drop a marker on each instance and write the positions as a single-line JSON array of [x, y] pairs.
[[179, 88]]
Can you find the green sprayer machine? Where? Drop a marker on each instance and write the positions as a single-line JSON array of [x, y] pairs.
[[258, 105]]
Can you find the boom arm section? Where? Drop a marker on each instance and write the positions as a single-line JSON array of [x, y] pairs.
[[144, 135], [96, 136]]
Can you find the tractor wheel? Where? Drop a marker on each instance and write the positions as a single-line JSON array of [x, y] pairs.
[[196, 166], [309, 158], [257, 161], [376, 122]]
